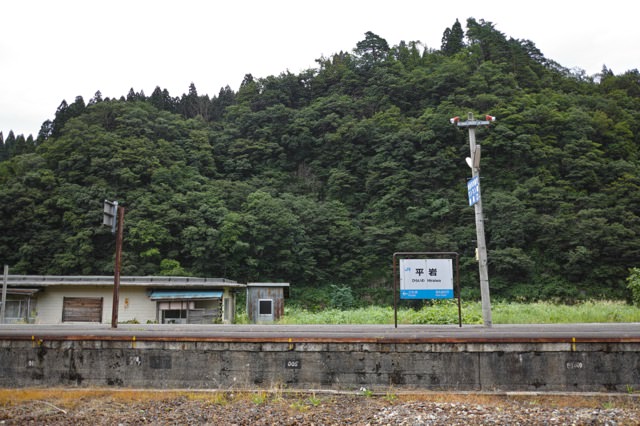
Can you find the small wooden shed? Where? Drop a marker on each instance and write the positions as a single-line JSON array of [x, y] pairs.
[[265, 301]]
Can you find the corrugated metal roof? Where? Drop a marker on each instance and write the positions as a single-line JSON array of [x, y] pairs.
[[252, 287], [97, 280], [185, 294], [267, 284], [22, 291]]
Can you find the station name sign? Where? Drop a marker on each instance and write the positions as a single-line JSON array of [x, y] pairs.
[[426, 279]]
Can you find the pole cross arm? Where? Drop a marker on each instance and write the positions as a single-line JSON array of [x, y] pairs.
[[473, 123]]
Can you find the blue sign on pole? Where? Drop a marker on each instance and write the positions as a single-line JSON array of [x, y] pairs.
[[473, 190]]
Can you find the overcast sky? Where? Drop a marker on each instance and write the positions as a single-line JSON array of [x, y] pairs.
[[52, 50]]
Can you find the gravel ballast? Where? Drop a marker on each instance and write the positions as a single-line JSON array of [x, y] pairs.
[[289, 408]]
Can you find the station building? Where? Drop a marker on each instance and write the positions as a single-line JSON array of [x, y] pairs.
[[46, 299]]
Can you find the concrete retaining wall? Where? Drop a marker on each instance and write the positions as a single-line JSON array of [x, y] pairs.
[[308, 365]]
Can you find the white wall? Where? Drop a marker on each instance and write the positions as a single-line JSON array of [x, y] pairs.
[[133, 303]]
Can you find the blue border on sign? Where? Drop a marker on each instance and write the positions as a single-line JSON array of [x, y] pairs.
[[427, 294]]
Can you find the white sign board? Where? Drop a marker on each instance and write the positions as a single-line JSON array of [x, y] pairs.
[[110, 211], [426, 279]]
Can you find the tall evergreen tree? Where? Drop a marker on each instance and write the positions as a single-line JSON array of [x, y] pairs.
[[60, 119], [225, 98], [21, 145], [45, 131], [66, 112], [3, 152], [161, 99], [491, 43], [372, 49], [452, 39], [97, 97], [136, 96], [191, 105], [10, 144]]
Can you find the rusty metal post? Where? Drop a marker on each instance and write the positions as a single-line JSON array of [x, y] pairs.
[[458, 288], [395, 291], [5, 280], [116, 272]]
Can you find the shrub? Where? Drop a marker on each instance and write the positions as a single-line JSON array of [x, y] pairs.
[[633, 284], [341, 297], [310, 298]]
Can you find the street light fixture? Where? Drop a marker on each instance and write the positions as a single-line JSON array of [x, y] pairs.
[[474, 187]]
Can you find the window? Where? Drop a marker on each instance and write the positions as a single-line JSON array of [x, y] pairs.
[[174, 312], [15, 309], [265, 307], [174, 316], [19, 309], [190, 312]]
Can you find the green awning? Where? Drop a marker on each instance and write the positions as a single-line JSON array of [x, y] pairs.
[[185, 294]]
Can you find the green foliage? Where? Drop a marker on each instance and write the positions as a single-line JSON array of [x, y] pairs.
[[171, 267], [368, 315], [313, 400], [442, 312], [633, 283], [319, 177], [341, 297], [259, 398], [367, 393]]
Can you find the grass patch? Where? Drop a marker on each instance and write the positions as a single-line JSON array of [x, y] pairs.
[[259, 398], [66, 400], [446, 312], [549, 313]]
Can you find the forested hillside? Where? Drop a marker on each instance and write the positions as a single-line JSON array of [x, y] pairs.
[[318, 178]]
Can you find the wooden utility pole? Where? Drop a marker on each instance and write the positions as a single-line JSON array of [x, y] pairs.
[[474, 163], [116, 272], [114, 218], [5, 281]]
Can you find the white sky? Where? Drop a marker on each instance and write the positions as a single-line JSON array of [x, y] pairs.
[[52, 50]]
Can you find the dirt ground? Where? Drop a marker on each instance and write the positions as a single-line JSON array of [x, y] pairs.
[[135, 407]]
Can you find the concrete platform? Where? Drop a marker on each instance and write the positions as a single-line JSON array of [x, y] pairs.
[[511, 358], [623, 332]]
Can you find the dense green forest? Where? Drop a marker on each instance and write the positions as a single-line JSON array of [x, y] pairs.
[[317, 178]]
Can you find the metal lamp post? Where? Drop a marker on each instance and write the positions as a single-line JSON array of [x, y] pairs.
[[475, 199]]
